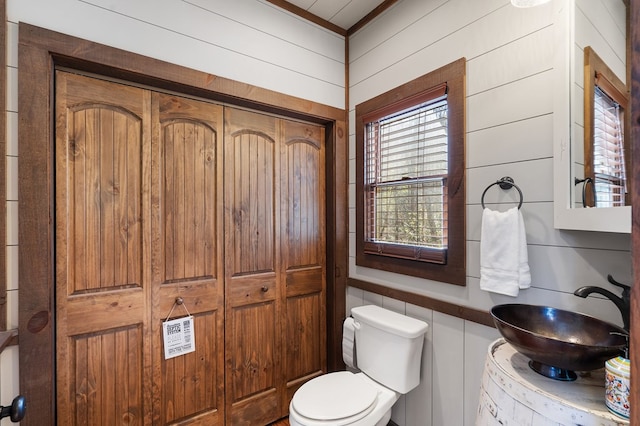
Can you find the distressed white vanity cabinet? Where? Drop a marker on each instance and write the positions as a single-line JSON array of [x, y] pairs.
[[513, 394]]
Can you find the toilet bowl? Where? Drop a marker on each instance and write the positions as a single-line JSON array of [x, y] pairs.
[[389, 349], [340, 399]]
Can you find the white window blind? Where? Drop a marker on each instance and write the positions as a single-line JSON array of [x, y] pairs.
[[406, 167], [608, 152]]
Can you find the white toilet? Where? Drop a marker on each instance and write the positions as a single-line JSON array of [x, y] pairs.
[[388, 352]]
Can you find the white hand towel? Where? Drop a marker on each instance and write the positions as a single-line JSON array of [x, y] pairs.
[[504, 264]]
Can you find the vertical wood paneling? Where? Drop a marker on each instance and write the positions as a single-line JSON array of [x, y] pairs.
[[107, 377], [90, 228], [477, 338], [448, 371], [253, 156], [254, 353], [304, 355], [302, 159], [93, 380], [79, 360], [132, 227], [105, 232], [189, 153], [419, 403], [189, 381], [107, 202]]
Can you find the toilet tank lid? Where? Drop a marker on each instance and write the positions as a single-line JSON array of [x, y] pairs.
[[389, 321]]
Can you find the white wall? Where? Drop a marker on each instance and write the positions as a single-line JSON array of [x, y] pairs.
[[509, 117], [250, 41]]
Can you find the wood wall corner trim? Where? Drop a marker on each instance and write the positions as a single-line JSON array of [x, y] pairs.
[[308, 16]]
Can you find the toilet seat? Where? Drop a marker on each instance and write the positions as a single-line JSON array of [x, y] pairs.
[[340, 398]]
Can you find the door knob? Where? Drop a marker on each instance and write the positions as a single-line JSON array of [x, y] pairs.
[[15, 410]]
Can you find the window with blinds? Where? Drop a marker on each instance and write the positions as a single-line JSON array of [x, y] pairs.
[[410, 182], [606, 148], [406, 174], [608, 151]]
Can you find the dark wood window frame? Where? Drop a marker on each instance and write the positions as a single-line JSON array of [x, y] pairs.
[[452, 270], [40, 52]]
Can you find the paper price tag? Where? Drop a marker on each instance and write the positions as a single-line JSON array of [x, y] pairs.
[[178, 337]]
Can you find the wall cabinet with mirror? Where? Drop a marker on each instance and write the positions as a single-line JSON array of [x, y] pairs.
[[590, 129]]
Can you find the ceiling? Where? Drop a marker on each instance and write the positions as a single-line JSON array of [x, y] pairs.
[[343, 13]]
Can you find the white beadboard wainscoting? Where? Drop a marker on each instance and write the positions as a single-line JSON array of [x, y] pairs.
[[510, 132], [453, 358]]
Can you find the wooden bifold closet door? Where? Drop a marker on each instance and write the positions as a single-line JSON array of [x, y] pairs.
[[160, 197], [186, 257], [274, 262]]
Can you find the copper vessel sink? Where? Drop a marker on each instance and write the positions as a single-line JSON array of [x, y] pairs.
[[558, 342]]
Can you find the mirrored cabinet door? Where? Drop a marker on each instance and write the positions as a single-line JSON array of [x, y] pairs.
[[591, 124]]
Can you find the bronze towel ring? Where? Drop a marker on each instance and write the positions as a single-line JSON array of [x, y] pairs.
[[505, 183]]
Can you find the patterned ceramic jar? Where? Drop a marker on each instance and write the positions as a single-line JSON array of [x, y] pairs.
[[617, 385]]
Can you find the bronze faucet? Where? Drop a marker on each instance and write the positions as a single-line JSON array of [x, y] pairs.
[[623, 303]]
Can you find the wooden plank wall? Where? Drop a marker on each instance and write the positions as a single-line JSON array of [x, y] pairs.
[[253, 42], [510, 107]]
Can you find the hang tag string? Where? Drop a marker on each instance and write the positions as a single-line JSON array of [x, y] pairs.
[[179, 301]]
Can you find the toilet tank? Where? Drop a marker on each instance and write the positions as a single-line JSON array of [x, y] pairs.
[[389, 346]]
